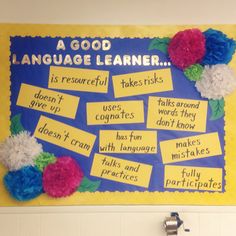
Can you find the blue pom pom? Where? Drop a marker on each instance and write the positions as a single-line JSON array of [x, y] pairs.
[[219, 48], [24, 184]]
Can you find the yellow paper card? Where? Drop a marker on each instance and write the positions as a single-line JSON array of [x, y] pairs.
[[46, 100], [177, 114], [121, 170], [198, 178], [106, 113], [64, 135], [142, 82], [78, 79], [190, 148], [128, 141]]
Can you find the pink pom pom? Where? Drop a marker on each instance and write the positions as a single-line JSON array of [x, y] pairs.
[[62, 178], [187, 48]]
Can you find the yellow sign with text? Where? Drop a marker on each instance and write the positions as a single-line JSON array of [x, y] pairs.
[[142, 83], [49, 101], [196, 178], [77, 79], [121, 170], [190, 148], [128, 141], [106, 113], [177, 114], [65, 136]]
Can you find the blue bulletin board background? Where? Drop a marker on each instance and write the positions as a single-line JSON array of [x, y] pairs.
[[38, 75]]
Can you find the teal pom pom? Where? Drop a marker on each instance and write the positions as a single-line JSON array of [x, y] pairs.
[[24, 184], [194, 72], [219, 48]]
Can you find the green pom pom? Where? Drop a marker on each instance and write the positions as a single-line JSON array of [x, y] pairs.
[[194, 72], [43, 159]]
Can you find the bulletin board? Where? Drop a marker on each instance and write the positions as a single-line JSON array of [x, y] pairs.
[[99, 115]]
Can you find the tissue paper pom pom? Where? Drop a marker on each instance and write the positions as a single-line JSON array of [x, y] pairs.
[[24, 184], [62, 178], [219, 48], [194, 72], [187, 48], [216, 81], [19, 150], [43, 159]]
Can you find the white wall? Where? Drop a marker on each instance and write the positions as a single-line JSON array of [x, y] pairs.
[[118, 220], [114, 221], [118, 11]]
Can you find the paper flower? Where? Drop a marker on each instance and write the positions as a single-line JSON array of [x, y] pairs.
[[62, 178], [216, 81], [187, 48], [219, 48], [43, 159], [24, 184], [19, 150], [194, 72]]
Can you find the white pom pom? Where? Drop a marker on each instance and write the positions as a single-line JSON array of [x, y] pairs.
[[19, 150], [216, 82]]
